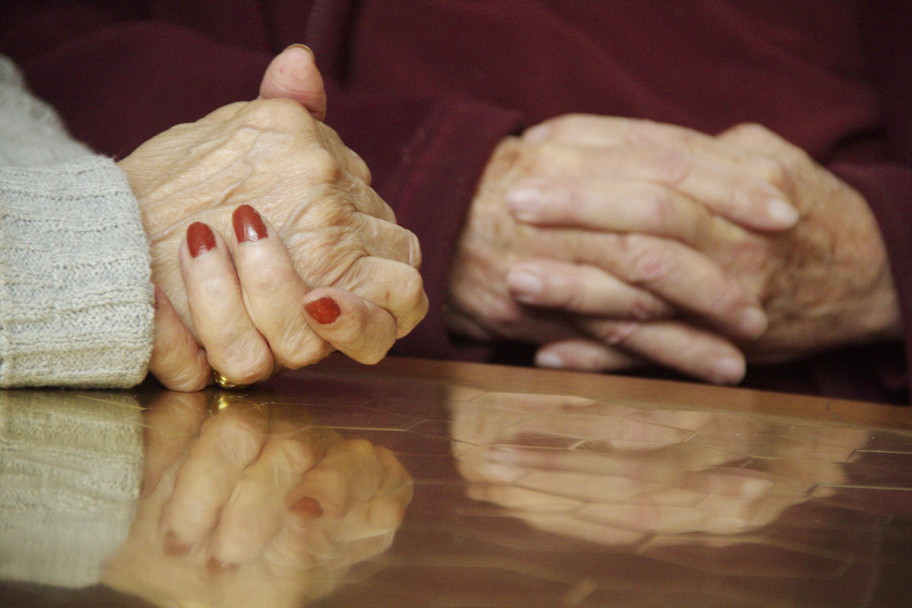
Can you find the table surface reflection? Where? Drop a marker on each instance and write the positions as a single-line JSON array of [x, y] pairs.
[[542, 488]]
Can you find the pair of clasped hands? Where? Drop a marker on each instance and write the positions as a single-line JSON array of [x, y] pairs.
[[286, 253], [614, 243]]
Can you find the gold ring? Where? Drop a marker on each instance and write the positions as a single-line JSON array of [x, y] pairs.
[[223, 382]]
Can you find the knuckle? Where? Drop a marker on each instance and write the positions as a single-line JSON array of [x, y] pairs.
[[412, 291], [672, 166], [295, 454], [645, 307], [414, 251], [249, 366], [647, 261], [359, 167], [772, 169], [275, 111], [240, 437], [323, 166], [617, 333], [299, 353], [659, 209], [362, 447]]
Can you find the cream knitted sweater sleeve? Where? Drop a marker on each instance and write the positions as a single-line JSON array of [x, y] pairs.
[[70, 472], [76, 298]]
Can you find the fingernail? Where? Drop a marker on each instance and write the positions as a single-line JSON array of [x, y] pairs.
[[299, 46], [524, 202], [525, 285], [782, 212], [753, 322], [549, 360], [200, 239], [248, 225], [727, 370], [308, 507], [173, 546], [324, 311]]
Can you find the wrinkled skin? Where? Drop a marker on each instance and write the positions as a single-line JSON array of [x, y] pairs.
[[272, 154], [244, 308], [655, 244]]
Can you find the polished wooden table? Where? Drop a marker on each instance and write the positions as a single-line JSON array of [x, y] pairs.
[[538, 488]]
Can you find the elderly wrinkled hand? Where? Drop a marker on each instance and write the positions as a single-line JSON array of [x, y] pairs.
[[656, 244], [310, 197]]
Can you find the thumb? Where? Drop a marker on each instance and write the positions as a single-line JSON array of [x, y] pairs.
[[293, 74]]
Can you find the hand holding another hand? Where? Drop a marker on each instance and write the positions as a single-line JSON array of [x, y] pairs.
[[245, 505], [312, 241]]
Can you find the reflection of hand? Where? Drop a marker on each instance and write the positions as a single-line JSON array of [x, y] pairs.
[[338, 233], [252, 507], [634, 474]]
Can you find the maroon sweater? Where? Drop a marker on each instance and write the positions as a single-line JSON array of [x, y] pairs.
[[424, 90]]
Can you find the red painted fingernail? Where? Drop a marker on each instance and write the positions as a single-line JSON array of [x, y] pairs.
[[308, 507], [200, 239], [248, 225], [324, 311]]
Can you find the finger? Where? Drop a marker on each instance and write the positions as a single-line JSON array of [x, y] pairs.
[[177, 361], [369, 527], [734, 182], [273, 291], [620, 205], [362, 330], [293, 74], [349, 474], [675, 345], [387, 240], [228, 442], [233, 345], [256, 510], [758, 140], [393, 286], [582, 289], [348, 159], [282, 115], [679, 275], [169, 425], [586, 355]]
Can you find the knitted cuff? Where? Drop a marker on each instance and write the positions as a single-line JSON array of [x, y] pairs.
[[76, 298]]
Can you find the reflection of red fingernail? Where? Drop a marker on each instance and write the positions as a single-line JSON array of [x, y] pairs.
[[215, 566], [308, 507], [200, 239], [248, 225], [174, 546], [324, 311]]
